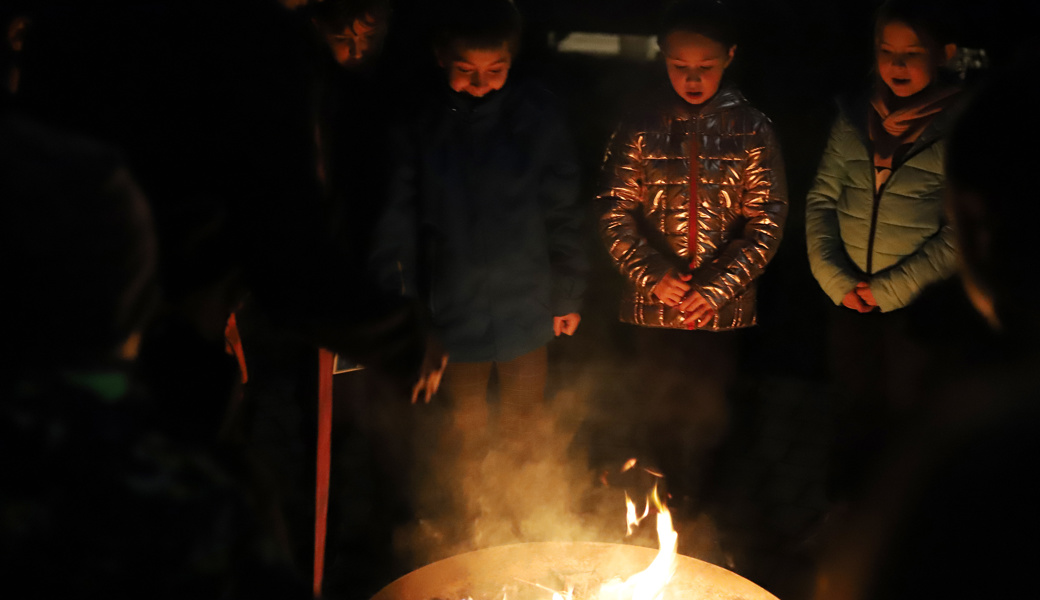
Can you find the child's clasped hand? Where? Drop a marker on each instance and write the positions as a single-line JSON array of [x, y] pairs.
[[672, 288], [860, 298], [673, 291]]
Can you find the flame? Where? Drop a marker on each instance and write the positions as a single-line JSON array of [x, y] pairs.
[[630, 513], [649, 584]]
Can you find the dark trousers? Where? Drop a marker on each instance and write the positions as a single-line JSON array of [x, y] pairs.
[[682, 386], [879, 374]]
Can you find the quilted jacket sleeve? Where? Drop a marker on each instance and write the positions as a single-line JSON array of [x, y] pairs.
[[624, 192], [830, 265], [935, 261], [764, 207], [558, 195]]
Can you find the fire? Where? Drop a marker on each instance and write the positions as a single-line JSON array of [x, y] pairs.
[[648, 584], [630, 512]]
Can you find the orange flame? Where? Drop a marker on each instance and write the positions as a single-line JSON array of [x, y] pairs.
[[630, 513], [649, 584]]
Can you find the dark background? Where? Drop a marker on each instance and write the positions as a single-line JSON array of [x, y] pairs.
[[199, 94]]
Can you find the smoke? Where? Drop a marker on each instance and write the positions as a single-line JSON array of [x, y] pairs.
[[476, 491]]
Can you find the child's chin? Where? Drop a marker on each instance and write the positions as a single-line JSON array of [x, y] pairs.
[[902, 89]]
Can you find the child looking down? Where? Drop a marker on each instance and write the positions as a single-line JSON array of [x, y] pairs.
[[693, 209], [482, 223]]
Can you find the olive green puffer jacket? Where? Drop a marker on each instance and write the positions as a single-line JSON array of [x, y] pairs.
[[899, 244]]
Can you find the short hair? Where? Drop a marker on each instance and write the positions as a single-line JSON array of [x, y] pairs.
[[709, 18], [930, 20], [79, 246], [478, 24], [337, 15]]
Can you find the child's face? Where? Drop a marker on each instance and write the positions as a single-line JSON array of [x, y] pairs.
[[695, 65], [905, 62], [477, 71], [357, 42]]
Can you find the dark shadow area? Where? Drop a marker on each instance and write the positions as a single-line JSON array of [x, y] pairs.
[[211, 107]]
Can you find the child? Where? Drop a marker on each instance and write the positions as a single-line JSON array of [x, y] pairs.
[[694, 209], [875, 226], [482, 222], [353, 29]]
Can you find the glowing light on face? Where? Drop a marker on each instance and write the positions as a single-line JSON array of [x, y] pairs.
[[358, 42], [477, 72], [695, 65], [905, 62]]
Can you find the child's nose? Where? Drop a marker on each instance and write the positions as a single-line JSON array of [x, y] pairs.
[[476, 80]]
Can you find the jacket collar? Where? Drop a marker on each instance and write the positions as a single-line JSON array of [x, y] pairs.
[[476, 107], [728, 96]]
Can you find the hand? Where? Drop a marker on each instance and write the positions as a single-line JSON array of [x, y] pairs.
[[863, 291], [852, 300], [567, 324], [672, 288], [435, 359], [695, 310]]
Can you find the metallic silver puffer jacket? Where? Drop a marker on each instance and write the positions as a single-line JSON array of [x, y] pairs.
[[647, 222]]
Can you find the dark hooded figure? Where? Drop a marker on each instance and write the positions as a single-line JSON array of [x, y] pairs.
[[215, 108], [101, 495]]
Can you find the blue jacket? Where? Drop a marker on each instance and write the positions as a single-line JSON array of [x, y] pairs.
[[482, 221]]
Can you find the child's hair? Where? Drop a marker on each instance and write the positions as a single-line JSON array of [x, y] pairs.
[[932, 24], [478, 25], [709, 18], [337, 15], [81, 243]]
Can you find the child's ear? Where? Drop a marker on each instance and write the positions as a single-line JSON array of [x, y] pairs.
[[949, 50], [732, 51]]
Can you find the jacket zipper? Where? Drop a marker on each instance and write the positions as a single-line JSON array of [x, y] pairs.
[[873, 219], [694, 171]]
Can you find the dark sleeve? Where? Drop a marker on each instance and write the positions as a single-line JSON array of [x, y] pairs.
[[395, 238], [558, 195]]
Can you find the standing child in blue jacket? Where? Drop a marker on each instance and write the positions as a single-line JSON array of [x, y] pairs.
[[482, 223], [877, 232]]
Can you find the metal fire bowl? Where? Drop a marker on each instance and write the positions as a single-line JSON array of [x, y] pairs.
[[483, 573]]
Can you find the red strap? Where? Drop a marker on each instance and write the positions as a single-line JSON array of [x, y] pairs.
[[233, 346], [321, 499], [695, 162]]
